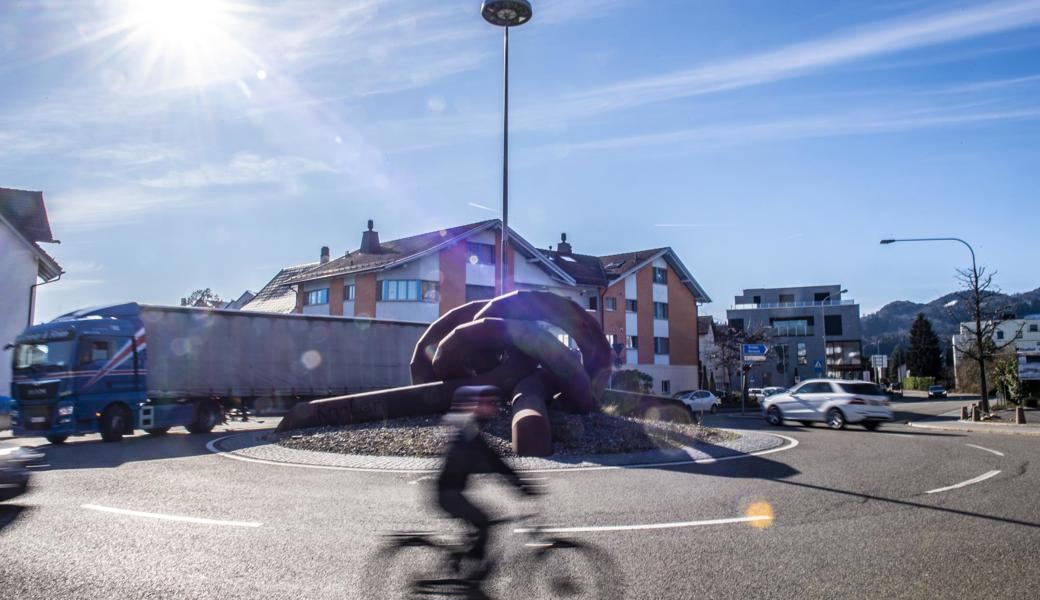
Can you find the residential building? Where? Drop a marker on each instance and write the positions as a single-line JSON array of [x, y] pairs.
[[23, 266], [812, 332], [647, 301], [1019, 336], [707, 331]]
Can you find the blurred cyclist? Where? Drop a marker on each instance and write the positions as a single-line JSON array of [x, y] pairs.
[[466, 454]]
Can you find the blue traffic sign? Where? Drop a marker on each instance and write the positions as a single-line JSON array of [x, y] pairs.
[[753, 349], [818, 365]]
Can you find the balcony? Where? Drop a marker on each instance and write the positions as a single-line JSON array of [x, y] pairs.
[[799, 304], [792, 331]]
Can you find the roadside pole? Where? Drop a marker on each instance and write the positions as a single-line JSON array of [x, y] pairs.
[[749, 353]]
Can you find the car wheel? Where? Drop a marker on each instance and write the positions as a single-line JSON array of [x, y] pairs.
[[207, 415], [114, 422], [835, 419], [57, 439], [714, 408], [870, 425], [774, 416]]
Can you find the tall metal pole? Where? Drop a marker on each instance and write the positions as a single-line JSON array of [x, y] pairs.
[[505, 163]]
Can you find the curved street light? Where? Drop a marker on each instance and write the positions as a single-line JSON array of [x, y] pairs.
[[505, 14]]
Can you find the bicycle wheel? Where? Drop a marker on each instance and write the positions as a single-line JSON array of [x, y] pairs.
[[569, 569], [411, 567]]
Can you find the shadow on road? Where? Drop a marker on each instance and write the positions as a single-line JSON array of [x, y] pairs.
[[911, 504], [9, 513]]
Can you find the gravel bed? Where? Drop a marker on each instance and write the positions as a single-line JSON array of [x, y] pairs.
[[573, 435]]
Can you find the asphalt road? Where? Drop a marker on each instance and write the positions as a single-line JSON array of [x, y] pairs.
[[852, 519]]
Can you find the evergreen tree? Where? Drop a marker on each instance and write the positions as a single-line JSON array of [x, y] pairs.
[[924, 358], [895, 360]]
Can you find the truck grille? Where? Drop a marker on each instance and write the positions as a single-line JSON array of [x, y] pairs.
[[37, 391], [37, 417]]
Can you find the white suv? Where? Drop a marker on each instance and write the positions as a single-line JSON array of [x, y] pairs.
[[832, 401]]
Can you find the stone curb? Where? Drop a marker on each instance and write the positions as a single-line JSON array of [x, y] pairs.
[[253, 447], [999, 428]]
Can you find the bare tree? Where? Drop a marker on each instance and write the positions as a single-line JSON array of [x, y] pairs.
[[203, 298], [982, 303], [727, 354]]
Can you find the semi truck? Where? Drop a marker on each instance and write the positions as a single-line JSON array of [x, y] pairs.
[[127, 367]]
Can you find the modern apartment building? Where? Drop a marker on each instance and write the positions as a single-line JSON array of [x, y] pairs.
[[647, 301], [812, 332]]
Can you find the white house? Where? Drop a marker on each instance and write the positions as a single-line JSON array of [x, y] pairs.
[[23, 263], [1023, 335]]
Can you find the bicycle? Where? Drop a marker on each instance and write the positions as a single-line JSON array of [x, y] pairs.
[[547, 567]]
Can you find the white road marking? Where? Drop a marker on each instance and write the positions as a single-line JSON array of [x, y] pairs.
[[982, 477], [650, 526], [137, 513], [986, 449], [211, 446]]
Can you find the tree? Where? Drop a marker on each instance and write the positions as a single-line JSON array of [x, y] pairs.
[[980, 302], [895, 360], [924, 358], [205, 298], [726, 353], [1008, 384]]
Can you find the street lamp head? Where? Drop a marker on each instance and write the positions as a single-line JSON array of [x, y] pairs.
[[506, 13], [885, 242], [843, 292]]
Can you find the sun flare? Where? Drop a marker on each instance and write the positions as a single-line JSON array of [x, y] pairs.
[[186, 23]]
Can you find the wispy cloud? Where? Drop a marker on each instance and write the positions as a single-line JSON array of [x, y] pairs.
[[243, 169], [564, 11], [482, 207], [90, 209]]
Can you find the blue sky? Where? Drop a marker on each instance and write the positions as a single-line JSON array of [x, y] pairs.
[[207, 144]]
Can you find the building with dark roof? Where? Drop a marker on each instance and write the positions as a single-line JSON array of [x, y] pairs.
[[23, 264], [647, 301]]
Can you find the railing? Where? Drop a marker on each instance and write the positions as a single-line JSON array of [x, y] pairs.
[[793, 331], [801, 304]]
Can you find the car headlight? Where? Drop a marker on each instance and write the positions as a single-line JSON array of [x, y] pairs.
[[65, 411]]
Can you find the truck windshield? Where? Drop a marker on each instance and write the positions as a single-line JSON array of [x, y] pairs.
[[50, 356]]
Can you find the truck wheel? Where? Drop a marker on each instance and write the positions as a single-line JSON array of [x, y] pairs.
[[57, 439], [114, 423], [157, 430], [207, 415]]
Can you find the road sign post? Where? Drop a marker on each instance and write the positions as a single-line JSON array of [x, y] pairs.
[[749, 353]]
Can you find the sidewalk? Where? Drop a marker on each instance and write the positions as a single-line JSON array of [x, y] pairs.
[[951, 422]]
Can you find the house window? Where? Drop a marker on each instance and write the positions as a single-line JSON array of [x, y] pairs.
[[1000, 334], [803, 354], [756, 299], [786, 298], [408, 290], [660, 275], [660, 310], [349, 292], [480, 254], [611, 304], [632, 342], [479, 292], [1033, 328], [593, 302], [666, 386], [832, 325], [660, 345], [317, 297], [611, 339], [737, 324], [631, 306], [821, 296]]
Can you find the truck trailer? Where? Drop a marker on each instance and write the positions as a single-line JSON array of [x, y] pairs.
[[116, 369]]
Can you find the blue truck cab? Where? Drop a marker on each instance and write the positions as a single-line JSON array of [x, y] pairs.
[[86, 372]]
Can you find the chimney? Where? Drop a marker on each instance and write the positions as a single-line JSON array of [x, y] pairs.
[[370, 241], [563, 248], [324, 254]]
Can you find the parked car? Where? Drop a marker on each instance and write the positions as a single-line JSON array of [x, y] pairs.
[[755, 393], [936, 391], [14, 476], [769, 391], [701, 400], [831, 401], [894, 390]]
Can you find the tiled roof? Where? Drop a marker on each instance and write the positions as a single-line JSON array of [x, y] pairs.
[[585, 269], [26, 212], [278, 296], [393, 251], [704, 325], [618, 264]]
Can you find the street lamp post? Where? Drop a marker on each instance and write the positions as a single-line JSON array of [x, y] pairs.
[[823, 326], [505, 14], [983, 392]]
